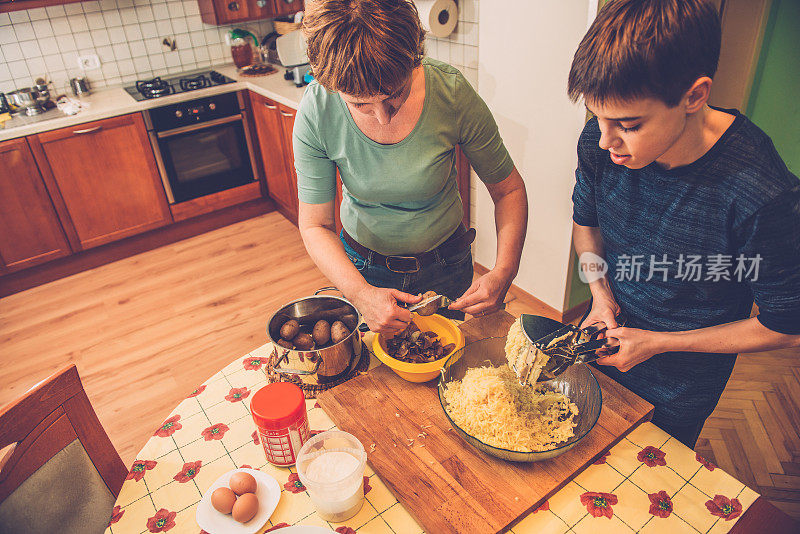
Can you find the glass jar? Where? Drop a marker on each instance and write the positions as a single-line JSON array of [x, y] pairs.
[[242, 52]]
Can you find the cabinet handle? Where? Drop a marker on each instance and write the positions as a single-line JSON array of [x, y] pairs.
[[270, 107], [233, 6], [287, 114], [87, 130]]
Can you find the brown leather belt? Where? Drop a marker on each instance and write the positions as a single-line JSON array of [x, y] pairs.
[[411, 263]]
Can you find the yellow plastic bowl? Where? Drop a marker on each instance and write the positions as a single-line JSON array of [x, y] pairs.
[[447, 331]]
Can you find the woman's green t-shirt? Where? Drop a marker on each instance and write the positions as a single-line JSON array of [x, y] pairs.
[[400, 198]]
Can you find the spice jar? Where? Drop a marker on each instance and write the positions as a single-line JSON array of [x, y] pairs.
[[279, 411]]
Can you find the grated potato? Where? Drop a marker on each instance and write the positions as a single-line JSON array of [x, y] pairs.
[[491, 405], [517, 348]]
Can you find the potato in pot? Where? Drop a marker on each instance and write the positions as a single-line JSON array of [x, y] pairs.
[[321, 333], [290, 329], [339, 331]]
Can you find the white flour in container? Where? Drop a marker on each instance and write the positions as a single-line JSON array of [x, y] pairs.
[[339, 491]]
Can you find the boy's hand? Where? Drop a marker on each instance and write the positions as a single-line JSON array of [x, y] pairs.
[[635, 346], [604, 310]]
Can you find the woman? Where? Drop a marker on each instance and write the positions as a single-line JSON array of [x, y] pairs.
[[389, 121]]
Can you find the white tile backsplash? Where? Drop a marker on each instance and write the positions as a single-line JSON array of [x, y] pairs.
[[125, 34], [459, 49]]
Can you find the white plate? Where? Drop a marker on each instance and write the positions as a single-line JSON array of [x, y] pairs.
[[214, 522]]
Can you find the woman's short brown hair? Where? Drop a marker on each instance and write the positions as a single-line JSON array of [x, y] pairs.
[[363, 47], [646, 48]]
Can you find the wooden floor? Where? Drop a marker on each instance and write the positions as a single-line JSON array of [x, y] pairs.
[[144, 331]]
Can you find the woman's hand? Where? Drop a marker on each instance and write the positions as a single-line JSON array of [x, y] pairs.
[[378, 306], [635, 346], [485, 295], [604, 310]]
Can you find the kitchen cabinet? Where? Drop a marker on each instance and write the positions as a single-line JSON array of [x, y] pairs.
[[30, 232], [103, 179], [18, 5], [287, 126], [286, 7], [271, 121], [221, 12]]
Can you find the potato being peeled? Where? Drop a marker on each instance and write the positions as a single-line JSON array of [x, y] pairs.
[[431, 307], [339, 331], [321, 333], [290, 329]]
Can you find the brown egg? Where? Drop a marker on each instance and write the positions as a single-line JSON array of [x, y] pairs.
[[242, 482], [245, 508], [223, 500]]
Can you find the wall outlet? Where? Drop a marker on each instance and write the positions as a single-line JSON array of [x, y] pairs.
[[89, 62]]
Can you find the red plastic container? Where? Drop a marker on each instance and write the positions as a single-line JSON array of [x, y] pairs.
[[279, 411]]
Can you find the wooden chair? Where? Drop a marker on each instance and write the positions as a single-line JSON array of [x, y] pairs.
[[60, 471]]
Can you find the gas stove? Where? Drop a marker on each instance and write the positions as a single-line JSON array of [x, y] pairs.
[[158, 87]]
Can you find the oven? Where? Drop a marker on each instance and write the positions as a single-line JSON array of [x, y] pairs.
[[202, 146]]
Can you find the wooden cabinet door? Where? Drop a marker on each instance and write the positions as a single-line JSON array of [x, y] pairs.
[[337, 203], [287, 120], [103, 179], [228, 11], [285, 7], [261, 9], [271, 142], [30, 232]]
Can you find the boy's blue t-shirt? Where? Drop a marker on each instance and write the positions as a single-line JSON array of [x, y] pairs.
[[693, 247]]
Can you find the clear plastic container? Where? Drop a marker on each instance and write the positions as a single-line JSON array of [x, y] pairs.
[[331, 467]]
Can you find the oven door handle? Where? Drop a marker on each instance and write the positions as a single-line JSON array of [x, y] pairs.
[[199, 126]]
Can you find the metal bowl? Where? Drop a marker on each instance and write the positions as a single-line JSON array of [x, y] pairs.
[[578, 383], [317, 365]]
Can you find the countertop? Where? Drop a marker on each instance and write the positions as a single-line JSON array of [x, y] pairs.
[[112, 102]]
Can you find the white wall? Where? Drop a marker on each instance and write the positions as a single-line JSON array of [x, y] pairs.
[[526, 49]]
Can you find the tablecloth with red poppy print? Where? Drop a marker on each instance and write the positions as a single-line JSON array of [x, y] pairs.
[[647, 483]]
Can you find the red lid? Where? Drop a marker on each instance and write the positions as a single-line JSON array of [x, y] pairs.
[[276, 406]]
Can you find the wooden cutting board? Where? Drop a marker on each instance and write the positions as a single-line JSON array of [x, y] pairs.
[[445, 483]]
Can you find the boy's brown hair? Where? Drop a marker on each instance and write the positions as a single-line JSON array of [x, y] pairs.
[[646, 48], [363, 47]]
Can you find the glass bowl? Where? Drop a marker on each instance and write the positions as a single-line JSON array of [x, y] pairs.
[[577, 382]]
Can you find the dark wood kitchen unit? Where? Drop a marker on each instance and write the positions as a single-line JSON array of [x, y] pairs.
[[18, 5], [275, 147], [103, 180], [221, 12], [30, 233], [285, 7]]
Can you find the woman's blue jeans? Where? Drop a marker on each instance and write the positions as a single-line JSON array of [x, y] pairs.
[[450, 276]]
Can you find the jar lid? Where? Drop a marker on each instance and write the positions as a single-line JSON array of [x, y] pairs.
[[276, 406]]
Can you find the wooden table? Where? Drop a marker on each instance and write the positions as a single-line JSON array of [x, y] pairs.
[[178, 464], [446, 484]]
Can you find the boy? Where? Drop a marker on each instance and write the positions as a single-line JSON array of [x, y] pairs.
[[691, 207]]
